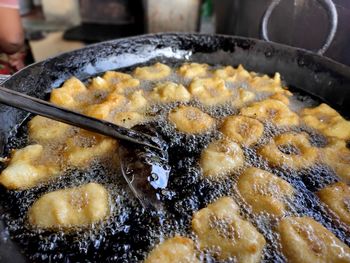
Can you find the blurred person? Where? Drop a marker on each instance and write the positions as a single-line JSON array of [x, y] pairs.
[[11, 37]]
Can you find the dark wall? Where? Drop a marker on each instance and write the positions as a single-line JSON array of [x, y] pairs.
[[300, 23]]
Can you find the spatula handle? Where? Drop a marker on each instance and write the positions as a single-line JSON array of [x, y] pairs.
[[49, 110]]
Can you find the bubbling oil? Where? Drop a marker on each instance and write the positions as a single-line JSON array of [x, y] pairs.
[[130, 232]]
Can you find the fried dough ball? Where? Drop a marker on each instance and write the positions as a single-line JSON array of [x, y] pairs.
[[233, 74], [43, 130], [267, 84], [226, 72], [281, 97], [99, 84], [28, 167], [190, 120], [128, 119], [68, 95], [115, 81], [220, 158], [242, 129], [327, 120], [337, 198], [137, 101], [114, 77], [305, 240], [116, 102], [243, 97], [337, 156], [172, 250], [85, 147], [210, 91], [154, 72], [192, 70], [264, 191], [170, 92], [271, 110], [290, 149], [103, 110], [221, 230], [72, 207]]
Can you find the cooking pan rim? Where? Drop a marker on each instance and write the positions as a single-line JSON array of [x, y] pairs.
[[331, 64], [338, 66]]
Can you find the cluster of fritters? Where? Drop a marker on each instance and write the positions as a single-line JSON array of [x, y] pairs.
[[259, 102]]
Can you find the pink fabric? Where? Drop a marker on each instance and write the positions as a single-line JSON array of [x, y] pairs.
[[9, 3]]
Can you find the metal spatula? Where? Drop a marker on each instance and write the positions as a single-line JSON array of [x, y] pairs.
[[143, 157], [51, 111], [146, 169]]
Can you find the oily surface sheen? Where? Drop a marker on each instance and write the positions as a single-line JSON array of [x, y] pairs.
[[251, 163]]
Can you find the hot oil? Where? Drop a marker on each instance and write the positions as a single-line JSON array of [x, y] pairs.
[[130, 232]]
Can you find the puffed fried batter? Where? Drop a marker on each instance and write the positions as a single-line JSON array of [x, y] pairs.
[[327, 120], [115, 81], [267, 84], [43, 130], [242, 98], [337, 198], [264, 191], [99, 84], [210, 91], [337, 156], [221, 230], [129, 119], [104, 110], [221, 158], [290, 149], [242, 129], [271, 110], [137, 101], [231, 74], [70, 94], [72, 207], [155, 72], [281, 97], [305, 240], [170, 92], [226, 72], [192, 70], [85, 147], [172, 250], [115, 77], [28, 167], [190, 120]]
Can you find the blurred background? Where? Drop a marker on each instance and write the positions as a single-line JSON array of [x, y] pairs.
[[52, 27]]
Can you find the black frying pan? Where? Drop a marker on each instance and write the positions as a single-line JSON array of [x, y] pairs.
[[314, 74]]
